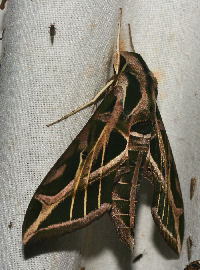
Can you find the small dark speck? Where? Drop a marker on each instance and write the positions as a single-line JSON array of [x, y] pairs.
[[137, 258], [52, 32], [10, 225]]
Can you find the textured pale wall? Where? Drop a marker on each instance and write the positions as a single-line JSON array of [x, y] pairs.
[[39, 83]]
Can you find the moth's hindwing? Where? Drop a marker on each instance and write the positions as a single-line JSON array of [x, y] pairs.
[[167, 204], [78, 189]]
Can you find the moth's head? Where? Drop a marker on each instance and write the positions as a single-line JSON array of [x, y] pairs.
[[134, 61]]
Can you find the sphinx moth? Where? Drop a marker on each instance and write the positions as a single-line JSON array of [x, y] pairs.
[[122, 143], [193, 266]]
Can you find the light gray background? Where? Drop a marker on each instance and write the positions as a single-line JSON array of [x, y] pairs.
[[41, 82]]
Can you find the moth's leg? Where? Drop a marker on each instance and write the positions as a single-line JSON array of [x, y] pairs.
[[130, 37], [88, 104], [94, 107]]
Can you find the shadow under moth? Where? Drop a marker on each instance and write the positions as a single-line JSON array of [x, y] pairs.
[[122, 143]]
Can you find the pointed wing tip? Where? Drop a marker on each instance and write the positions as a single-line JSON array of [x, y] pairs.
[[26, 239]]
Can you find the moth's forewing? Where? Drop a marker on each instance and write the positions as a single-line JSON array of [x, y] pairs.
[[193, 266], [89, 166], [167, 205]]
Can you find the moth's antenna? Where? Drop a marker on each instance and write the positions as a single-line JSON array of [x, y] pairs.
[[130, 37], [118, 42]]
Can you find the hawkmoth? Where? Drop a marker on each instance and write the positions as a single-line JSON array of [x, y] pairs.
[[122, 143], [52, 32], [193, 266], [193, 184]]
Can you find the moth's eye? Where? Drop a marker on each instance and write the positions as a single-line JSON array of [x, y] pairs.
[[84, 154]]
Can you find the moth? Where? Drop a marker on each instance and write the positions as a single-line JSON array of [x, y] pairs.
[[2, 5], [193, 184], [122, 143], [189, 246], [193, 266], [52, 32]]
